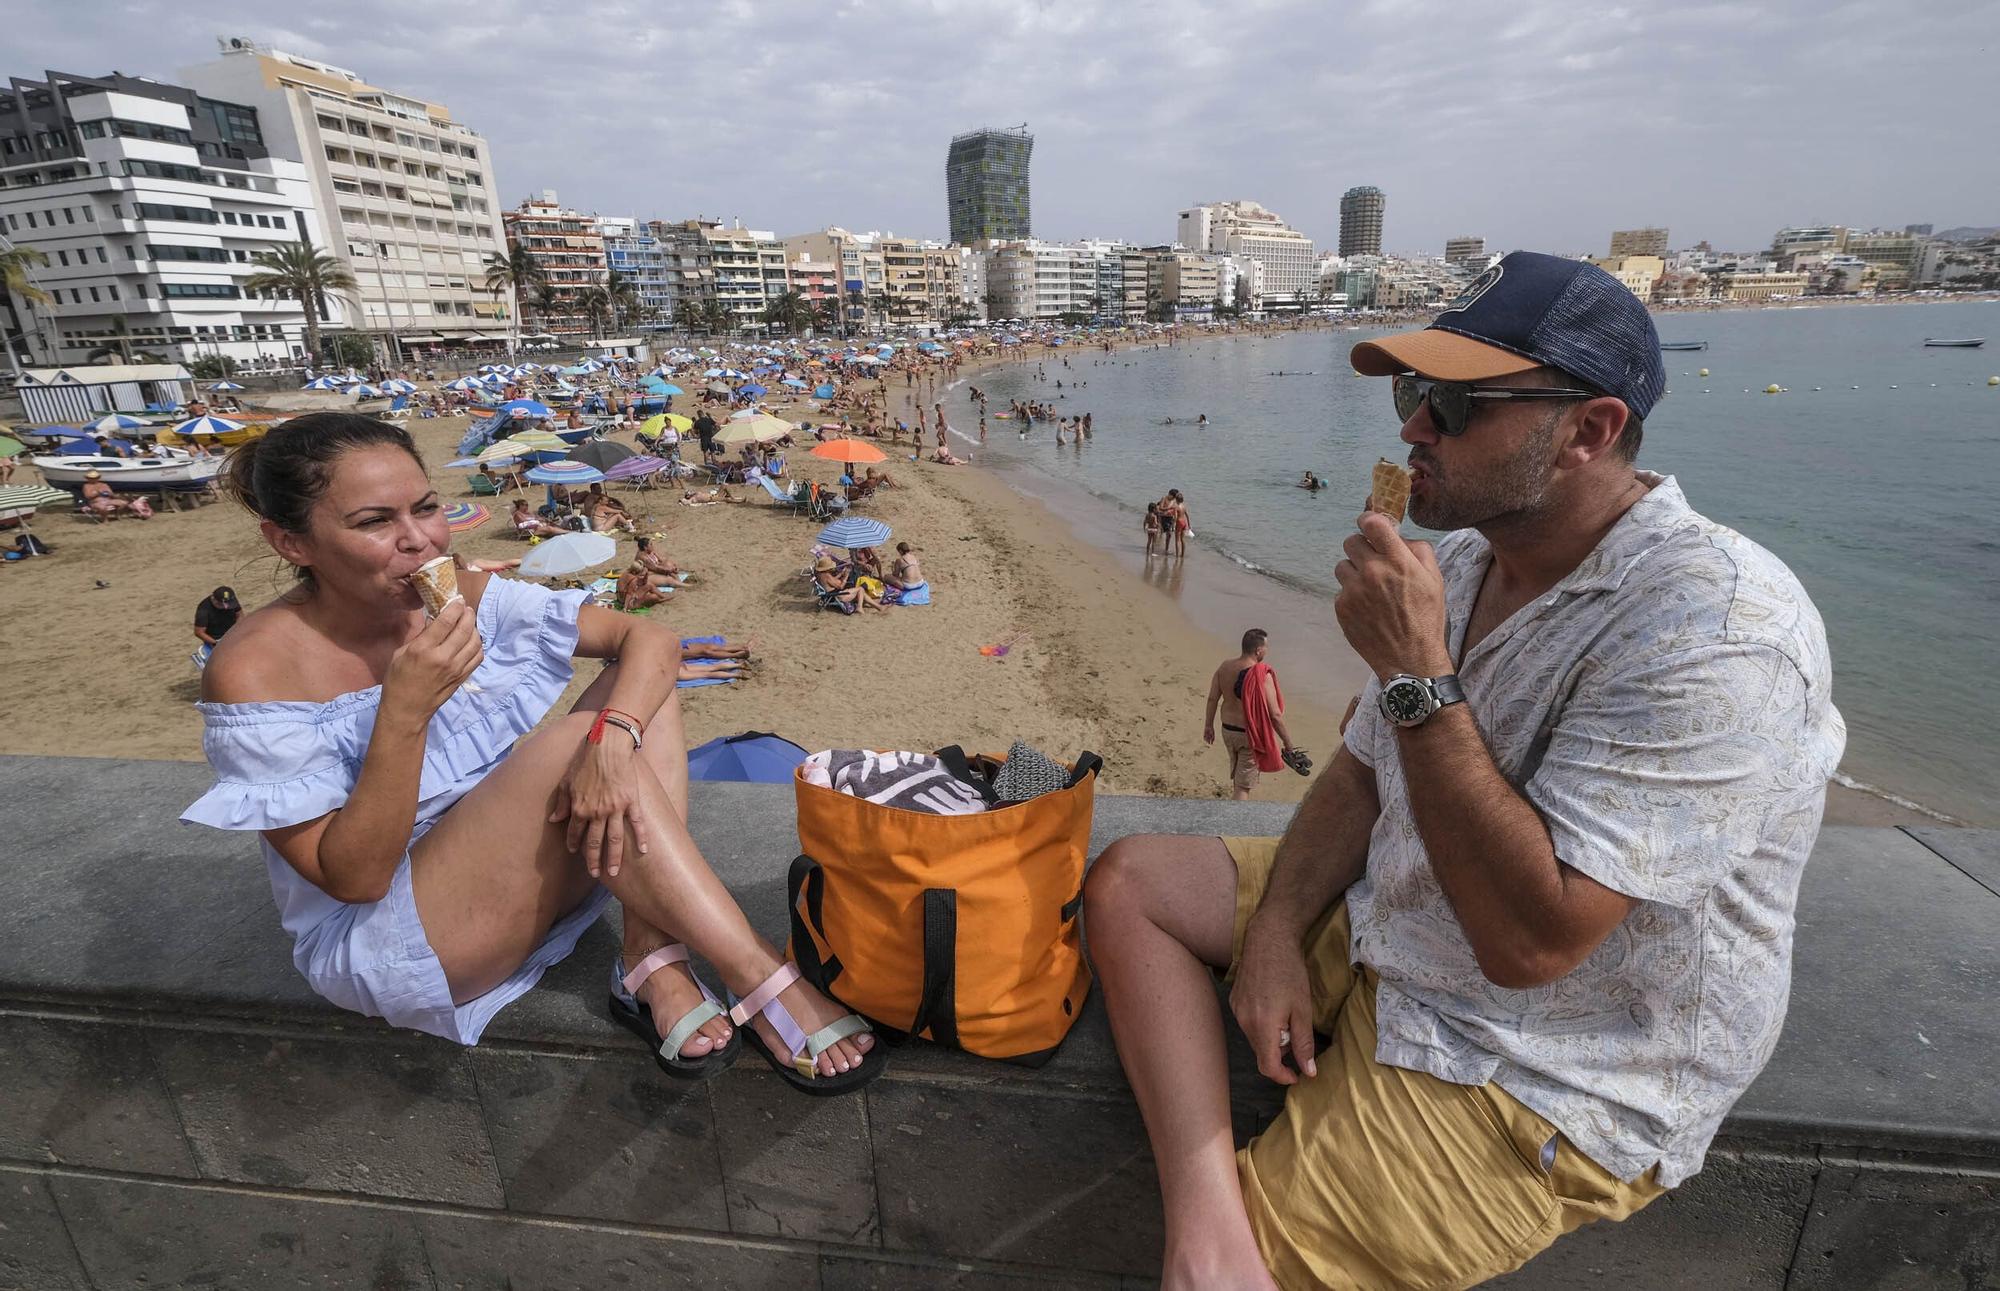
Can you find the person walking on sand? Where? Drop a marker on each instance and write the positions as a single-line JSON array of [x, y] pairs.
[[1543, 898], [1226, 690]]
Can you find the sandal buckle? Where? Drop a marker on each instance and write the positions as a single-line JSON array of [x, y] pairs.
[[806, 1065]]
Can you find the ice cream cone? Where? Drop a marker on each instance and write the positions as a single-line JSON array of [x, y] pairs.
[[437, 582]]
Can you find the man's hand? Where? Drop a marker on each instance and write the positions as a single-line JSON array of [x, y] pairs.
[[1391, 603], [1208, 734], [1272, 1001]]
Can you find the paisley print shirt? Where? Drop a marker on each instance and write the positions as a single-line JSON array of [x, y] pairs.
[[1667, 708]]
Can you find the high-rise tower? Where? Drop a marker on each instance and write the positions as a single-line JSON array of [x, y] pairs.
[[1361, 221], [986, 184]]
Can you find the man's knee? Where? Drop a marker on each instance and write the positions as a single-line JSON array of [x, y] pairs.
[[1117, 886]]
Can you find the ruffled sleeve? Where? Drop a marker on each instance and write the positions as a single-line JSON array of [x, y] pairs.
[[529, 629], [275, 765]]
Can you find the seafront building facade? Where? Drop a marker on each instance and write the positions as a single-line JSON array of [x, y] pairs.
[[406, 192], [569, 249], [1247, 232], [858, 260], [150, 202], [1031, 280], [1361, 211], [642, 262], [1638, 242], [1465, 250], [986, 185]]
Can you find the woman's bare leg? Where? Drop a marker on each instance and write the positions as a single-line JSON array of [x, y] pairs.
[[485, 904], [670, 993]]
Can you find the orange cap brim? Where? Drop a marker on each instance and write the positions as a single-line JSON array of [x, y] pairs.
[[1437, 354]]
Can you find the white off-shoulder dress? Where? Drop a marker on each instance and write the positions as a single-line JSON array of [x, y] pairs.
[[286, 762]]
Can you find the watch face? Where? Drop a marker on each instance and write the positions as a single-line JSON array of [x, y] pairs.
[[1406, 701]]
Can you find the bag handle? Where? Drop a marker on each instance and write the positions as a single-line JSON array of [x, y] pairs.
[[806, 876], [953, 757], [937, 1009], [1087, 764]]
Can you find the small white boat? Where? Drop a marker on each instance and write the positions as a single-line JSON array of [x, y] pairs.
[[1962, 343], [131, 474], [1683, 345]]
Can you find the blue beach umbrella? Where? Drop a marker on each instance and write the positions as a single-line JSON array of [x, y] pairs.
[[365, 392], [222, 386], [463, 383], [854, 531], [325, 383], [750, 391], [569, 473], [207, 426], [525, 408], [757, 757], [794, 383], [670, 389], [823, 391], [108, 424]]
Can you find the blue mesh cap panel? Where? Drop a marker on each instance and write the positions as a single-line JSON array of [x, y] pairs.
[[1598, 330]]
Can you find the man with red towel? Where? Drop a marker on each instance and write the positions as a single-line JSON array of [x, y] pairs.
[[1253, 716]]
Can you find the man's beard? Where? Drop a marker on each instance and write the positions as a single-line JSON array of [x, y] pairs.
[[1518, 486]]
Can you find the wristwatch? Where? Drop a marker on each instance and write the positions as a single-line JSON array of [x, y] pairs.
[[1410, 701]]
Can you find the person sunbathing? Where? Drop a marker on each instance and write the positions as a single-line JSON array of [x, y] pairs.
[[711, 496], [664, 572], [636, 590], [727, 670], [526, 522], [875, 479], [101, 501], [945, 457]]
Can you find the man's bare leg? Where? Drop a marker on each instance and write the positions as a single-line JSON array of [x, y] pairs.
[[1159, 911]]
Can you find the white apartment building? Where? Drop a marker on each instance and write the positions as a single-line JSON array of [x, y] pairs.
[[1246, 230], [150, 202], [1036, 280], [632, 251], [863, 279], [749, 269], [408, 193]]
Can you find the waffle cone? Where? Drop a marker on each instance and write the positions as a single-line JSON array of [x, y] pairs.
[[1389, 490], [437, 582]]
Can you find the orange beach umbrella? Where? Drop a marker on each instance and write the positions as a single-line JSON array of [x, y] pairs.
[[849, 450]]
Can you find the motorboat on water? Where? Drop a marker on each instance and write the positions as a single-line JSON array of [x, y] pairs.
[[1683, 345], [1962, 343], [131, 474]]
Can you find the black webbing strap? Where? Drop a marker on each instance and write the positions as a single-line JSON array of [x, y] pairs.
[[955, 762], [937, 1010], [809, 880], [1086, 764]]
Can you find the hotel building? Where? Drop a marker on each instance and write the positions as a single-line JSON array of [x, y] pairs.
[[1245, 231], [570, 250], [408, 194]]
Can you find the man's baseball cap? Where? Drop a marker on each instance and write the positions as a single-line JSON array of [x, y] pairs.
[[1530, 311], [225, 598]]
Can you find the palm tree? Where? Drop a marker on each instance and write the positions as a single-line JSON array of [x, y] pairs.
[[826, 314], [119, 346], [14, 265], [546, 299], [790, 311], [623, 295], [295, 270], [517, 271], [709, 314], [594, 303]]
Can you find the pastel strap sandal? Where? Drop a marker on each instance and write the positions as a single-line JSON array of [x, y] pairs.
[[628, 1009], [799, 1064]]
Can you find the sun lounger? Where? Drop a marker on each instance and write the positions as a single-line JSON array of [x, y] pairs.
[[794, 499]]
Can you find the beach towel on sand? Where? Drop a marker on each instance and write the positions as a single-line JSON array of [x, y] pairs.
[[1265, 745], [702, 681]]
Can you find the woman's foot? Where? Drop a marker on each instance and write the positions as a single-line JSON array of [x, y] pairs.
[[670, 993], [811, 1011]]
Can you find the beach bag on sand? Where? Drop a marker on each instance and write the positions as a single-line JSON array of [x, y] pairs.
[[961, 929]]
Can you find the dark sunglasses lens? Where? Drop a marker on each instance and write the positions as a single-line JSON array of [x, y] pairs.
[[1409, 395], [1451, 405]]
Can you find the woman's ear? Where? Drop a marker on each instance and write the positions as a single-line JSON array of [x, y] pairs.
[[292, 548]]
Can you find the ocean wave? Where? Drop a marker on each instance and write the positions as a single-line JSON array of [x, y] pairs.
[[1877, 791]]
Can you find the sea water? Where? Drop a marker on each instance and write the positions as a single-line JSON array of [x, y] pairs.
[[1873, 475]]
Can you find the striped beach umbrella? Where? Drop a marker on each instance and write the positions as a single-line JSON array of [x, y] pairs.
[[325, 383], [461, 516], [505, 450], [396, 385], [207, 426], [634, 467], [463, 383], [854, 531], [22, 498], [537, 441], [567, 473], [112, 423], [223, 387]]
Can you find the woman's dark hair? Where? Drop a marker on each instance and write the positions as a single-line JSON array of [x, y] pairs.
[[278, 476], [645, 543]]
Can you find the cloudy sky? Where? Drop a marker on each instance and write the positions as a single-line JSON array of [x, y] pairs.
[[1534, 123]]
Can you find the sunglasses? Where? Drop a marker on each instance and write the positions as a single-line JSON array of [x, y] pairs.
[[1452, 402]]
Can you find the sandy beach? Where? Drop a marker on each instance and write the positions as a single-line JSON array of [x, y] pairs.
[[1108, 654]]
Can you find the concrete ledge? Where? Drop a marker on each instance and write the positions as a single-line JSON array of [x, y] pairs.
[[181, 1109]]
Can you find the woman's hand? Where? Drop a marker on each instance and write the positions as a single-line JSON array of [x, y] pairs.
[[428, 667], [599, 796]]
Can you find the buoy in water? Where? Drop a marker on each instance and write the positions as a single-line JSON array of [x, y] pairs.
[[1894, 387], [1772, 388], [1993, 381], [1704, 372]]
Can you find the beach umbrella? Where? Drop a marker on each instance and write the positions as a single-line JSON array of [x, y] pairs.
[[395, 385], [757, 757], [222, 387], [824, 391], [463, 383], [718, 387], [461, 516], [854, 531], [365, 392], [753, 430], [750, 391], [505, 450], [324, 383], [853, 451], [525, 408], [538, 441], [462, 464], [27, 497], [669, 388], [207, 426], [570, 554], [794, 383], [569, 473], [10, 446], [601, 453], [633, 467], [110, 424]]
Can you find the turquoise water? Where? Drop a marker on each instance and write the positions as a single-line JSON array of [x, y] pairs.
[[1881, 498]]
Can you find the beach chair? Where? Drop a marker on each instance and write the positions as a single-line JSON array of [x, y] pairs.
[[484, 486], [828, 598], [398, 409], [793, 499]]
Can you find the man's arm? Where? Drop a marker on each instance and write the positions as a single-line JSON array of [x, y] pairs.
[[1214, 698], [1272, 707], [1323, 851]]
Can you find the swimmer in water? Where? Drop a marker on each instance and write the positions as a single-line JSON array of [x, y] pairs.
[[1201, 420], [1312, 482]]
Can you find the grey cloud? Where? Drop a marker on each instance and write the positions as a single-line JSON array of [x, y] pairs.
[[1536, 123]]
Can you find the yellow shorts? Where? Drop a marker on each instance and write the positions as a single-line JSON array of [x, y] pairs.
[[1374, 1176], [1242, 762]]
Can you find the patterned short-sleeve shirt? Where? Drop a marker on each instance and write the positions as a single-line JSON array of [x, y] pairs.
[[1667, 709]]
